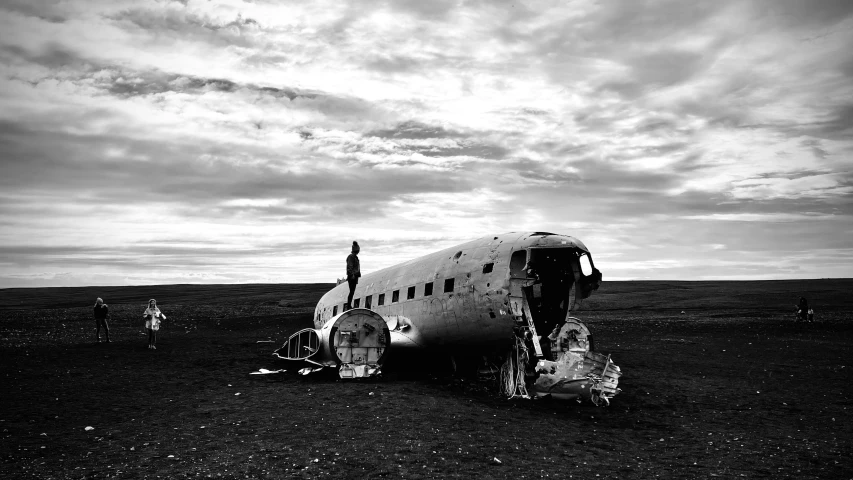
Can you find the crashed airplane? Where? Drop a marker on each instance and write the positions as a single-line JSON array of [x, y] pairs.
[[506, 299]]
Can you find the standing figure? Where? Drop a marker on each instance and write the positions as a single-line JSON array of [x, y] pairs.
[[353, 272], [152, 322], [102, 311], [802, 309]]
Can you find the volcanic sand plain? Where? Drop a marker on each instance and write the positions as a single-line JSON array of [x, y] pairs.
[[718, 381]]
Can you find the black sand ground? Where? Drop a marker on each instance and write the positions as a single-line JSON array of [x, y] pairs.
[[731, 388]]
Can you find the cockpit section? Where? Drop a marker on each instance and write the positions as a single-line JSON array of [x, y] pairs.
[[554, 352], [548, 283]]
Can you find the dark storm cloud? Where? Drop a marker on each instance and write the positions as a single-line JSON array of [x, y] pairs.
[[624, 32], [47, 11], [659, 69], [394, 63], [431, 10], [815, 146], [52, 55], [130, 83], [547, 175], [839, 125], [594, 180], [123, 81], [798, 14], [176, 253], [132, 256], [417, 130], [792, 175], [127, 84], [181, 24], [200, 178], [491, 152], [690, 164], [430, 141], [624, 24], [666, 150], [611, 177]]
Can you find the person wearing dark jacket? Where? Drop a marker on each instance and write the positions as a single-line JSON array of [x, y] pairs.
[[353, 272], [102, 311], [802, 309]]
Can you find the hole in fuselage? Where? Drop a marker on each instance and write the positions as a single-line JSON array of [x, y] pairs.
[[549, 278]]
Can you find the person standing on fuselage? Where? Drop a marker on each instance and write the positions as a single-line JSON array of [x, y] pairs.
[[353, 272]]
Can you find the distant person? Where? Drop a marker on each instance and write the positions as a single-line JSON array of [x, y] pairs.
[[803, 309], [153, 316], [353, 272], [102, 312]]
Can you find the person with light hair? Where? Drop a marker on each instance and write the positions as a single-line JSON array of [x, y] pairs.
[[153, 317], [101, 312]]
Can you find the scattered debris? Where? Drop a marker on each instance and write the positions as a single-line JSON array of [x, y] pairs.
[[264, 371], [307, 370], [357, 350]]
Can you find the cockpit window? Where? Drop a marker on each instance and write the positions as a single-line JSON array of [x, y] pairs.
[[586, 267]]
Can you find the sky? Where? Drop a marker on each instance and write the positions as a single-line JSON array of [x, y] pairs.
[[251, 141]]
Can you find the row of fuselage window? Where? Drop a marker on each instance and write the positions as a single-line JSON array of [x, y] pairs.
[[395, 295]]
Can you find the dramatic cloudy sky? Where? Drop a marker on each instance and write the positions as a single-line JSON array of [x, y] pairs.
[[253, 140]]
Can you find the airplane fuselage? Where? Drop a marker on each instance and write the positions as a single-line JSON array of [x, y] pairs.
[[467, 296], [506, 298]]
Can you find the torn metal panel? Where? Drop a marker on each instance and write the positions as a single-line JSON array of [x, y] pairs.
[[577, 371]]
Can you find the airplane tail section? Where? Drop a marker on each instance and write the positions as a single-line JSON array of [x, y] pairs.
[[354, 341]]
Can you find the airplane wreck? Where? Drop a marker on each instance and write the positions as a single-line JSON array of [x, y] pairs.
[[507, 299]]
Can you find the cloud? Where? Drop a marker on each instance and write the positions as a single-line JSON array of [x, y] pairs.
[[821, 186], [645, 128], [760, 217]]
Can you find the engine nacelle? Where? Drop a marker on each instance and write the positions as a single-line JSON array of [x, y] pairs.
[[356, 341]]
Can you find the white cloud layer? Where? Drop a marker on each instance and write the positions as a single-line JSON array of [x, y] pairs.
[[252, 141]]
